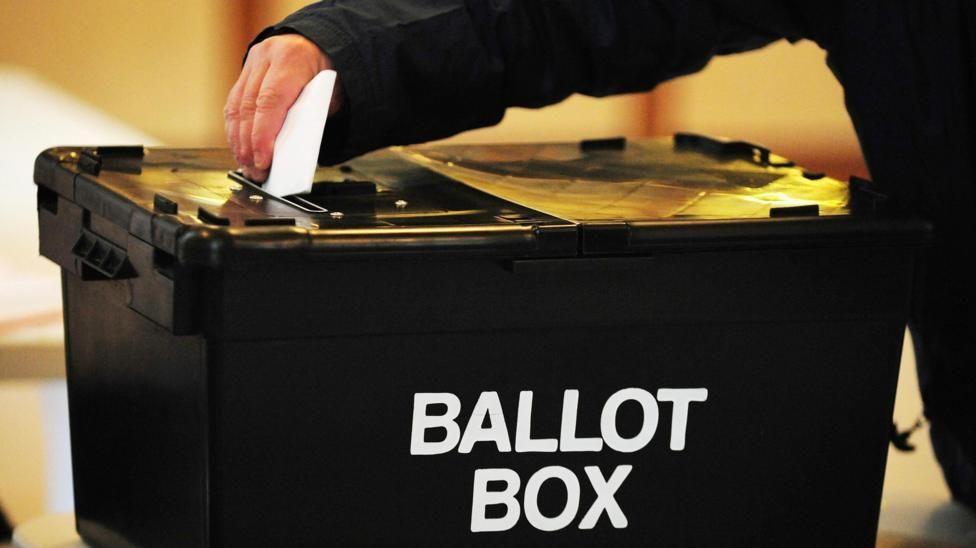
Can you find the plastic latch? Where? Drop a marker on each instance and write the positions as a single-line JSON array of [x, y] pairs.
[[90, 162], [605, 237], [722, 147], [865, 197], [613, 143], [101, 255], [811, 210], [121, 151], [125, 159], [518, 218], [209, 218], [162, 204]]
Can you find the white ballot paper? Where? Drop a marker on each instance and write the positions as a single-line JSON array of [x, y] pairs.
[[296, 149]]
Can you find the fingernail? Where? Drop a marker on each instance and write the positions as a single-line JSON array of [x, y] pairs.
[[260, 161]]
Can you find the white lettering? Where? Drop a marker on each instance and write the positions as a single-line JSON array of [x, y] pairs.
[[423, 422], [605, 501], [608, 420], [488, 406], [679, 415], [482, 498], [523, 429], [565, 517], [567, 432]]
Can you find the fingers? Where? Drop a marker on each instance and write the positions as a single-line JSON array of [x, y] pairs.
[[256, 175], [232, 111], [279, 90], [274, 74], [247, 109]]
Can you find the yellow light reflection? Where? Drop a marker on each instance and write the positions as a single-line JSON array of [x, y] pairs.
[[649, 180]]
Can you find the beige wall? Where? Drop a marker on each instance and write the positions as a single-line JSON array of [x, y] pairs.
[[264, 13], [783, 96], [165, 67], [161, 66]]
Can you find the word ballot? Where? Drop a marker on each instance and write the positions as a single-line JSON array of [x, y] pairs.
[[487, 425]]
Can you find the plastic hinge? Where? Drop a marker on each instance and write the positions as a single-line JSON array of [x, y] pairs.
[[101, 255], [740, 149]]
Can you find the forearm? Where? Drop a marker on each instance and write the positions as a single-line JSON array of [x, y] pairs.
[[416, 70]]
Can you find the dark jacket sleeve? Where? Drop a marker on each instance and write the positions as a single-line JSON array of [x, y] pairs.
[[417, 70]]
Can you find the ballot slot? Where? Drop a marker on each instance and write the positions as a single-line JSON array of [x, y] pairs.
[[348, 196], [295, 201], [356, 201]]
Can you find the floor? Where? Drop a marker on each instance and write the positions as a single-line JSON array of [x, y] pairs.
[[916, 501]]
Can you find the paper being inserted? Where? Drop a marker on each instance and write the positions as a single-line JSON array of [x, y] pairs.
[[296, 149]]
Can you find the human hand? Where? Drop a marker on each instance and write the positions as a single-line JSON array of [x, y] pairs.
[[274, 74]]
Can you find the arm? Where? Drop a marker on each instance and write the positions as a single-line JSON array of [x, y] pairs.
[[416, 70]]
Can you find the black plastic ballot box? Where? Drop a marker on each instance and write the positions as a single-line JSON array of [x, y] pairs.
[[684, 341]]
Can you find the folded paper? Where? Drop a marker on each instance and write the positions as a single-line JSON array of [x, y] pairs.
[[296, 149]]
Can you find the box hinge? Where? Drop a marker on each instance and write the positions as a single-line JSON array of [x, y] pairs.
[[608, 237]]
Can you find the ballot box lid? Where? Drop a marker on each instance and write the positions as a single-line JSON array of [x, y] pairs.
[[589, 198]]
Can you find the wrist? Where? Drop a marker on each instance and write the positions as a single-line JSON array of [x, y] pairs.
[[319, 58]]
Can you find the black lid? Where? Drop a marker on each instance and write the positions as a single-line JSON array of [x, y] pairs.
[[512, 201]]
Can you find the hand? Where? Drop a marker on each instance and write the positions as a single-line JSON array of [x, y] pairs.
[[274, 74]]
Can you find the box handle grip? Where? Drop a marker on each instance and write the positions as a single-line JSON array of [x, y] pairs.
[[102, 256]]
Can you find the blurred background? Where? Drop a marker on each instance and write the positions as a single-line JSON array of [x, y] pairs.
[[165, 68], [114, 71]]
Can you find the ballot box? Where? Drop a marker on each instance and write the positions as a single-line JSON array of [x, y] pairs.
[[677, 341]]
